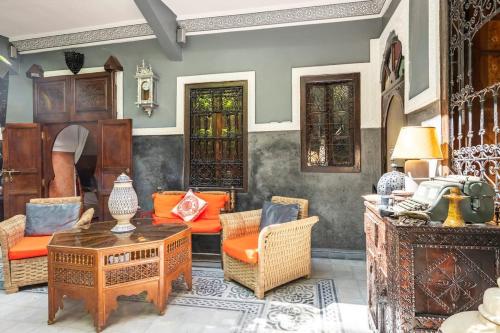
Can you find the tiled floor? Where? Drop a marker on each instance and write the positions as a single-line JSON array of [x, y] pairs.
[[27, 312]]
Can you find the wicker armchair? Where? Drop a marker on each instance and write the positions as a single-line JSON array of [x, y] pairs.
[[284, 250], [23, 272]]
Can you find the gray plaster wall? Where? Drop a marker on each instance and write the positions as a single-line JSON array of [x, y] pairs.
[[271, 53], [4, 45], [419, 46], [274, 169]]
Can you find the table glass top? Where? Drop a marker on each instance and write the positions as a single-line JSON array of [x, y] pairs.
[[99, 235]]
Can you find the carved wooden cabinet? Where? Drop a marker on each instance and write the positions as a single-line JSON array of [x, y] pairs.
[[418, 276], [74, 98]]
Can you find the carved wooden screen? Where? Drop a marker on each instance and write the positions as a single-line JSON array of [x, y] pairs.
[[474, 62], [330, 123], [216, 138]]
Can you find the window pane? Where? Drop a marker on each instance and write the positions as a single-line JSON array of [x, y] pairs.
[[330, 122], [216, 115]]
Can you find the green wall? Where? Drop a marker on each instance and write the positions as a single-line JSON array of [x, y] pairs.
[[271, 53], [419, 46]]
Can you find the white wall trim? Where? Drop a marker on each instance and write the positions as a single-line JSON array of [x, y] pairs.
[[68, 72], [219, 77], [118, 82], [432, 93], [368, 109]]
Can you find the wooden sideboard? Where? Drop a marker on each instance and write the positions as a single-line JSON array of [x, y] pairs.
[[418, 276]]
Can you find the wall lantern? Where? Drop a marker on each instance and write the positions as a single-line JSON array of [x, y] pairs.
[[147, 86]]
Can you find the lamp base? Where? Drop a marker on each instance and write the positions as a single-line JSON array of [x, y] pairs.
[[417, 168]]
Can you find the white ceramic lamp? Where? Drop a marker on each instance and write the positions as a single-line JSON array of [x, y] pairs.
[[416, 145]]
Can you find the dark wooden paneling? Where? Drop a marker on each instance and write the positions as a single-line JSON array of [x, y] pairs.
[[418, 276], [51, 98], [22, 150], [74, 98], [114, 157], [93, 97]]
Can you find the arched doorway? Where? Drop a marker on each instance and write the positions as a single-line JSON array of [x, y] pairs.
[[393, 115]]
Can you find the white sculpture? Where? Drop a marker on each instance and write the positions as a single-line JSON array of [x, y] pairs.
[[486, 320]]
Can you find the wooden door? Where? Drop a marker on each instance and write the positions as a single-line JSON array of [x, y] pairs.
[[51, 99], [22, 166], [93, 97], [114, 157]]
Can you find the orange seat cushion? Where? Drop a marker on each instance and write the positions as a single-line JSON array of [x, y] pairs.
[[29, 247], [243, 248], [197, 227], [215, 203], [164, 203]]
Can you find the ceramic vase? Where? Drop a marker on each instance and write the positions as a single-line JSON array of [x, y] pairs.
[[123, 204], [391, 181]]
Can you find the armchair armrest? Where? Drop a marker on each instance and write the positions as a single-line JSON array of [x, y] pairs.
[[287, 243], [11, 232], [236, 225]]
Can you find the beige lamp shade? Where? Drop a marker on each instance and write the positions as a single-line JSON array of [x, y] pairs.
[[417, 142]]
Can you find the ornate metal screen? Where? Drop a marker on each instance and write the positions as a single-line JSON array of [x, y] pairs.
[[217, 136], [474, 56], [330, 123]]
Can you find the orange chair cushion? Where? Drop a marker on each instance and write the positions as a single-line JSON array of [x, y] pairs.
[[215, 203], [164, 203], [197, 227], [29, 247], [243, 248]]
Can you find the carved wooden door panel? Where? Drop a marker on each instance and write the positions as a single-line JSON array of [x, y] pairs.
[[51, 98], [93, 97], [22, 166], [114, 157]]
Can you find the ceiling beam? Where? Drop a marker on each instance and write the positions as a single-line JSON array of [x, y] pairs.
[[163, 21]]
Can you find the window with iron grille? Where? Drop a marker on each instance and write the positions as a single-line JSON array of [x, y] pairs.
[[330, 123], [216, 135]]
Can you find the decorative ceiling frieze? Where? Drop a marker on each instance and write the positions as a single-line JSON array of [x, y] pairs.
[[356, 9], [84, 37], [284, 16]]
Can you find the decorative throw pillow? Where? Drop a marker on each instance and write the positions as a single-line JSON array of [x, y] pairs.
[[273, 213], [190, 207], [44, 219]]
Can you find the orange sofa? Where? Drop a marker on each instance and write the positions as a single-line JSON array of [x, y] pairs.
[[208, 223]]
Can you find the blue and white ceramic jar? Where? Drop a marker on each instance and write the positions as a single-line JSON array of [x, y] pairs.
[[123, 204], [391, 181]]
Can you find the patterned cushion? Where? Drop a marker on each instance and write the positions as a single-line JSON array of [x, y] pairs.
[[190, 207], [273, 213], [45, 219]]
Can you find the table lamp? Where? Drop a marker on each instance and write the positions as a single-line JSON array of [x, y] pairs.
[[416, 145]]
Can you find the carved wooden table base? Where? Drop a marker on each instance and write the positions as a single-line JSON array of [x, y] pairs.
[[97, 266]]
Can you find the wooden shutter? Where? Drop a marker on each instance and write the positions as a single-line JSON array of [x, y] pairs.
[[114, 157], [22, 166]]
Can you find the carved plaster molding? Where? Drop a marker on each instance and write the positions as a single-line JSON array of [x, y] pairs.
[[83, 38], [294, 16], [284, 16]]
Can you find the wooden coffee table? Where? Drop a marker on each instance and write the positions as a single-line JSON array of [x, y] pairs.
[[96, 265]]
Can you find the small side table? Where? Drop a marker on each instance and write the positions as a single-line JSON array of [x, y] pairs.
[[96, 265]]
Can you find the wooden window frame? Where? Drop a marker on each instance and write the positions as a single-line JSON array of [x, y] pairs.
[[187, 130], [304, 80]]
